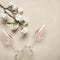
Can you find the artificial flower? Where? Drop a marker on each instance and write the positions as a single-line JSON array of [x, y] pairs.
[[15, 27], [26, 20], [18, 17], [10, 4], [20, 10], [14, 7], [3, 16], [24, 30]]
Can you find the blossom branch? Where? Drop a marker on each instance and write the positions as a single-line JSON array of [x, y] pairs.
[[16, 14], [6, 11], [2, 6]]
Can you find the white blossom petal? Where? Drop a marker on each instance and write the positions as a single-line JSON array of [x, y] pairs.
[[14, 7], [10, 4], [3, 16], [18, 17], [15, 27], [20, 10], [24, 30], [26, 20]]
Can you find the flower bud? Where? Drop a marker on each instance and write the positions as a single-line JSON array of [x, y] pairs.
[[24, 30], [26, 20], [10, 4], [3, 16], [18, 17], [15, 27], [20, 10]]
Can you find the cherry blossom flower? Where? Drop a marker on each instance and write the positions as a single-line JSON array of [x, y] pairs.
[[3, 16], [15, 27], [18, 17], [26, 20], [20, 10]]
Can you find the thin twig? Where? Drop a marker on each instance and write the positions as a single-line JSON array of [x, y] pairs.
[[7, 12], [2, 6], [13, 17]]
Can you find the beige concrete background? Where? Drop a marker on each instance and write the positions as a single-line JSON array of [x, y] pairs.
[[39, 12]]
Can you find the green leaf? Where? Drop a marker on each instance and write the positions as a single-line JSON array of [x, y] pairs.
[[17, 10], [10, 7], [10, 22], [15, 22], [22, 22]]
